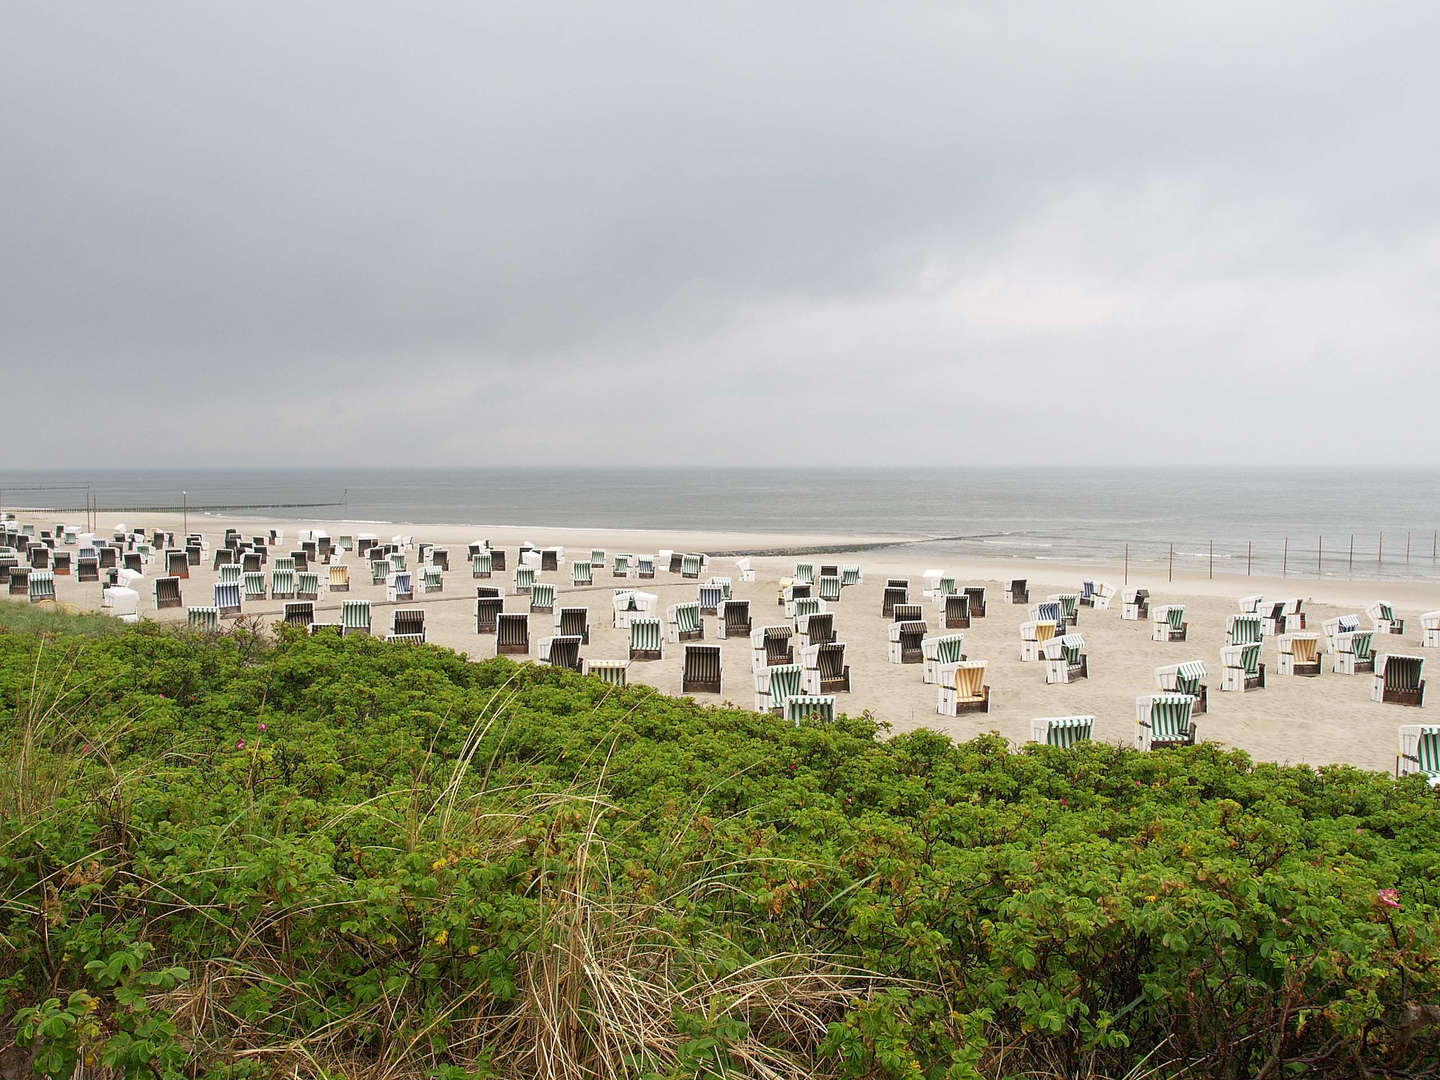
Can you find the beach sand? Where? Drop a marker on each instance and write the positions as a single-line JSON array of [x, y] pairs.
[[1316, 721]]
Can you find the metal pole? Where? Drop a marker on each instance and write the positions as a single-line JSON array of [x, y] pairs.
[[1285, 557], [1172, 562]]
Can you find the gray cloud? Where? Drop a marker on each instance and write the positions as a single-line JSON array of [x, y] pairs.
[[990, 233]]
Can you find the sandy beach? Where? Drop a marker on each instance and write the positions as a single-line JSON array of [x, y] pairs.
[[1316, 721]]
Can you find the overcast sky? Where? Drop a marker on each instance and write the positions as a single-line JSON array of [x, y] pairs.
[[773, 233]]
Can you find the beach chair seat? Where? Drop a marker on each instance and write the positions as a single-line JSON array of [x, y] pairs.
[[167, 593], [109, 557], [905, 642], [60, 563], [1064, 660], [1242, 668], [1164, 720], [551, 558], [1062, 731], [562, 650], [894, 594], [307, 585], [710, 595], [1244, 630], [133, 560], [226, 597], [1298, 654], [684, 623], [775, 683], [1185, 678], [647, 638], [1419, 752], [41, 586], [581, 573], [851, 574], [609, 671], [573, 622], [813, 708], [487, 614], [966, 691], [524, 579], [512, 633], [702, 672], [823, 669], [1398, 680], [497, 559], [745, 569], [338, 577], [815, 629], [39, 556], [204, 619], [1134, 605], [299, 613], [399, 587], [1383, 619], [1272, 621], [771, 645], [1168, 623], [939, 652], [733, 619], [955, 612], [432, 579], [542, 597], [282, 584], [354, 617], [1353, 652]]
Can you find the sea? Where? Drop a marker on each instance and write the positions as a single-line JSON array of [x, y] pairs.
[[1375, 523]]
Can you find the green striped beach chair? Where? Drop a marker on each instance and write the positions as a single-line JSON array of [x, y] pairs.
[[397, 561], [229, 574], [646, 639], [1419, 752], [1164, 720], [1353, 652], [775, 683], [379, 571], [597, 558], [1185, 678], [581, 573], [542, 597], [282, 582], [690, 566], [226, 596], [1064, 660], [354, 617], [307, 585], [804, 607], [608, 671], [432, 579], [253, 585], [804, 574], [167, 593], [620, 567], [939, 652], [726, 585], [41, 586], [481, 565], [813, 708], [286, 562], [206, 619], [684, 622], [299, 613], [1398, 680], [1243, 630], [524, 579], [1243, 669], [1069, 605], [1168, 623], [1382, 618], [829, 588], [849, 575], [1062, 731]]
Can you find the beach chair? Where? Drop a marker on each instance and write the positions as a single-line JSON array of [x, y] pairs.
[[1398, 680], [894, 594], [1430, 630], [487, 614], [229, 574], [829, 588], [1164, 720], [87, 568], [774, 684], [702, 673], [816, 629], [512, 633], [1062, 731], [733, 619], [976, 595], [482, 565], [851, 574], [597, 559], [123, 603], [167, 593], [804, 574], [726, 585], [524, 579], [684, 623], [792, 596], [497, 559], [1019, 592], [1242, 668], [608, 671], [354, 617], [937, 653], [573, 622], [1244, 630], [581, 573], [562, 650], [818, 708], [771, 645], [646, 639], [1185, 678], [551, 558], [177, 564], [1049, 611], [307, 585], [630, 604], [432, 580], [60, 563], [711, 594], [204, 619], [1033, 635], [109, 557], [253, 586], [967, 692], [299, 613], [1298, 654], [1353, 652], [1069, 605], [440, 557], [400, 587], [1419, 752], [379, 571], [823, 669], [620, 567], [39, 556], [905, 639], [1341, 624], [690, 566], [1382, 618], [803, 608], [1168, 623], [1087, 593], [133, 560], [282, 584], [744, 569], [41, 586], [645, 567], [542, 597], [930, 583], [1251, 605], [338, 577], [226, 596], [955, 612], [1103, 596], [1134, 605], [1064, 662]]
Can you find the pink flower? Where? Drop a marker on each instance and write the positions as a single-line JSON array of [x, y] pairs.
[[262, 725], [240, 745], [1389, 897]]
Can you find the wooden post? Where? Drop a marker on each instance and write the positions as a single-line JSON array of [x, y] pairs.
[[1380, 552], [1249, 552], [1127, 564], [1407, 547], [1172, 562], [1212, 560], [1285, 557], [1319, 556], [1352, 555]]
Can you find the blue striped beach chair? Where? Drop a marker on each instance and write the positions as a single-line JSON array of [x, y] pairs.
[[1398, 680], [645, 567], [1419, 752], [41, 586], [710, 597], [399, 587], [1087, 593], [646, 639], [1062, 731], [226, 596], [1164, 720], [581, 573], [812, 708], [1341, 624], [354, 617], [205, 619]]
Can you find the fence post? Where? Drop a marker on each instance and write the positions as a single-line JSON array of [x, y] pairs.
[[1249, 551], [1127, 564], [1319, 555], [1407, 547], [1380, 552], [1212, 560], [1172, 563], [1351, 571], [1285, 557]]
